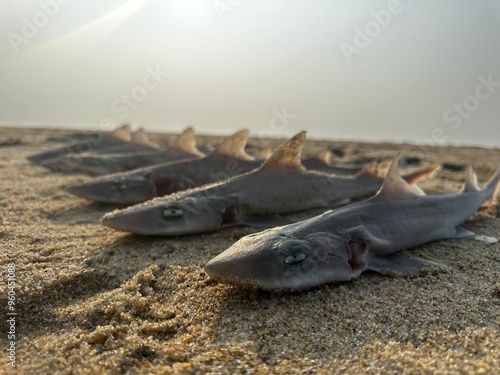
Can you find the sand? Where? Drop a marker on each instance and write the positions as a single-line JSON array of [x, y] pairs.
[[90, 300]]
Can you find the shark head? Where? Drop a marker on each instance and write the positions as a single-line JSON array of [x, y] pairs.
[[116, 190], [278, 259], [169, 216]]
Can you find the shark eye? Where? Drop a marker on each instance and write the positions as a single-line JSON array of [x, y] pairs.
[[171, 212], [295, 258]]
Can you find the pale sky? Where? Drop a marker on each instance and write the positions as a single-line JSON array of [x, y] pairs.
[[417, 71]]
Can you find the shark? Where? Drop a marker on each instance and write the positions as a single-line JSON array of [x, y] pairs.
[[183, 148], [119, 141], [97, 141], [341, 244], [227, 160], [256, 198]]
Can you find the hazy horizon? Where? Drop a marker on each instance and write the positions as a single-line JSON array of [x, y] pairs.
[[416, 72]]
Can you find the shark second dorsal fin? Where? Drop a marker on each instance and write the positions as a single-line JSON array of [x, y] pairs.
[[324, 156], [470, 181], [140, 137], [122, 133], [234, 146], [394, 187], [186, 142], [287, 156]]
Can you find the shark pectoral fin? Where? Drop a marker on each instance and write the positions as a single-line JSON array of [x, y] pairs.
[[400, 264], [459, 232], [265, 221]]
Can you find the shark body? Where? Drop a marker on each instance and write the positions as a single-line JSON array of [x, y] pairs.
[[281, 185], [339, 245]]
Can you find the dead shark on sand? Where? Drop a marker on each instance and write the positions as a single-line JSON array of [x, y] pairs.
[[227, 160], [281, 185], [339, 245], [183, 148], [111, 144], [95, 142]]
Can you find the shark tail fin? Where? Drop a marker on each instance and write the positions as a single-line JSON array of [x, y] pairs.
[[288, 155], [186, 142], [234, 146], [493, 185]]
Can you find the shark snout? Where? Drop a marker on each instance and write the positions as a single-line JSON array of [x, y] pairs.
[[243, 264], [133, 222], [83, 190]]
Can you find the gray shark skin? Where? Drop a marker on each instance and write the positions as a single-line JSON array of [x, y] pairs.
[[183, 149], [140, 185], [339, 245], [281, 185]]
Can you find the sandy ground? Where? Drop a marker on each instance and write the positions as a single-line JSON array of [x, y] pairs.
[[90, 300]]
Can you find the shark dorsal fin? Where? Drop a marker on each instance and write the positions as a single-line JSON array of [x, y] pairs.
[[122, 133], [395, 188], [234, 146], [186, 142], [470, 181], [372, 169], [140, 137], [324, 156], [287, 156]]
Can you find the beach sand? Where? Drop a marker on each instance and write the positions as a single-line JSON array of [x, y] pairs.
[[90, 300]]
